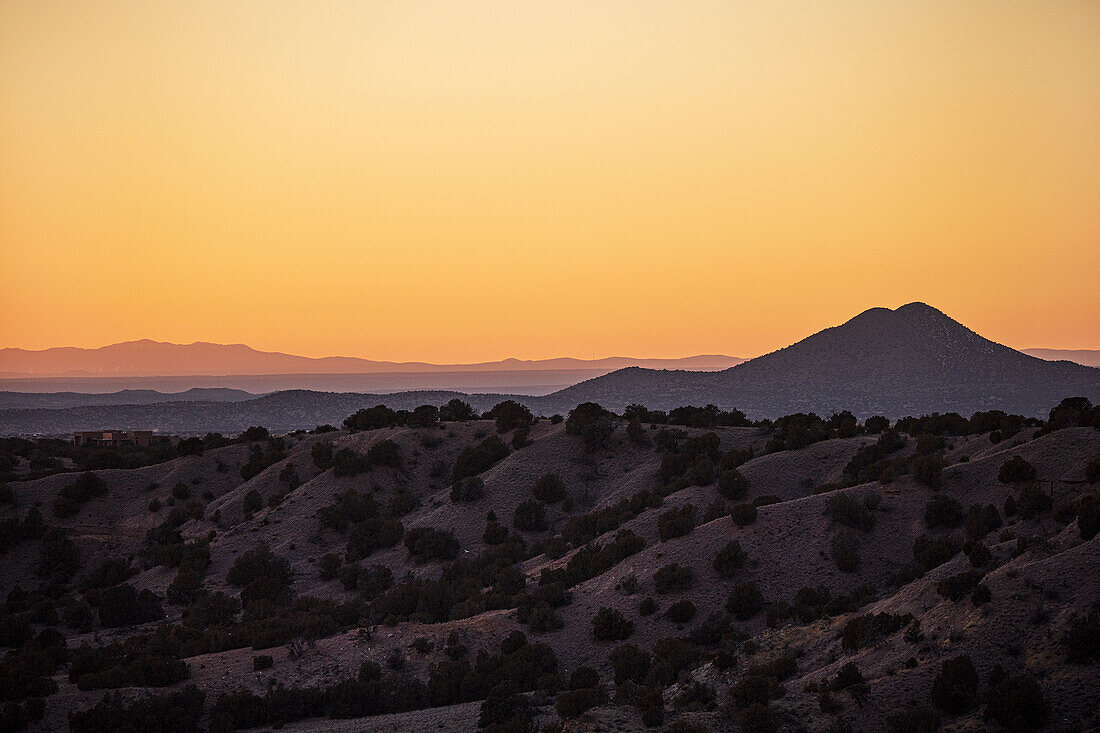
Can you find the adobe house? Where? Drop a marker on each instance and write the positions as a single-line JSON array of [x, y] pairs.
[[97, 438]]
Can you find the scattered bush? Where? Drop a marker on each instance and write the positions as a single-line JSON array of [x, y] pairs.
[[943, 511], [868, 630], [469, 489], [681, 612], [732, 485], [178, 712], [87, 486], [1015, 702], [262, 662], [477, 458], [913, 718], [592, 423], [1016, 470], [845, 508], [428, 543], [610, 624], [549, 488], [530, 516], [743, 514], [673, 578], [745, 601], [676, 522], [729, 559], [845, 546], [1032, 501], [956, 685]]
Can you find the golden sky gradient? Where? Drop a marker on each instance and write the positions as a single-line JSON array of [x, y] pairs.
[[464, 181]]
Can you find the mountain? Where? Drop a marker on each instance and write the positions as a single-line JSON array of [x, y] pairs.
[[58, 400], [1088, 357], [911, 360], [145, 358]]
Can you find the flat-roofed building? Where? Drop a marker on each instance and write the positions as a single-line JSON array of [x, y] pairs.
[[142, 438]]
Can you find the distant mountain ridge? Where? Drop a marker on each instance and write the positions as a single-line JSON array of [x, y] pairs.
[[146, 357], [61, 400], [1087, 357], [909, 361]]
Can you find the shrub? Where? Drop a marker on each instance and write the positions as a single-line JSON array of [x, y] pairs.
[[1032, 501], [179, 711], [981, 520], [913, 718], [1082, 638], [549, 488], [647, 607], [943, 511], [504, 710], [755, 689], [845, 508], [676, 522], [745, 601], [729, 559], [477, 458], [211, 609], [978, 553], [322, 455], [846, 550], [629, 663], [373, 534], [702, 472], [759, 718], [457, 411], [956, 586], [928, 469], [1015, 703], [530, 516], [328, 566], [468, 489], [60, 557], [610, 624], [262, 662], [1016, 470], [955, 685], [681, 612], [592, 423], [933, 552], [510, 415], [111, 571], [1088, 516], [732, 485], [258, 563], [252, 503], [574, 703], [184, 588], [743, 514], [868, 629], [847, 676], [428, 543], [673, 578], [86, 486]]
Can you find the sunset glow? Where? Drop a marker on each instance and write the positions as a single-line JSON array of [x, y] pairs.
[[465, 181]]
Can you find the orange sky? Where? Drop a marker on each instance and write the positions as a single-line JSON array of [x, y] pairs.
[[463, 181]]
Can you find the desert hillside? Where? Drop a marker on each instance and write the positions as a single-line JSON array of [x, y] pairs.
[[691, 570]]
